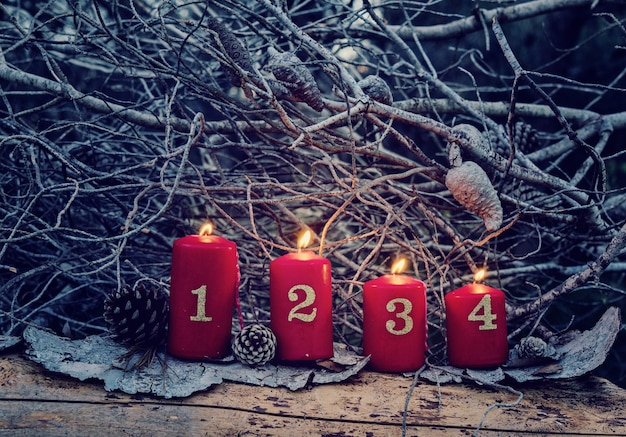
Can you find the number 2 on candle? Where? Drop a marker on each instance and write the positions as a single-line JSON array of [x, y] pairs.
[[309, 298], [201, 307], [487, 317], [407, 307]]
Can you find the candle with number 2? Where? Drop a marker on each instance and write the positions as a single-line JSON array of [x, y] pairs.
[[476, 325], [394, 321], [204, 283], [301, 304]]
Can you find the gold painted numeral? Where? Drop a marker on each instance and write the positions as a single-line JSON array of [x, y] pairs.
[[201, 307], [407, 307], [309, 298], [487, 317]]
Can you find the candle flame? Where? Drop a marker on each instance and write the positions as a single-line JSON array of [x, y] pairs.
[[480, 274], [398, 266], [304, 240], [206, 229]]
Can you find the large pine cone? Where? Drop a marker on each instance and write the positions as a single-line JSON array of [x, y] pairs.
[[290, 72], [138, 317], [471, 187], [233, 48], [255, 345]]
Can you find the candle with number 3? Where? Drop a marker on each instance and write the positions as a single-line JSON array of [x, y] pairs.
[[476, 325], [204, 283], [301, 304], [394, 321]]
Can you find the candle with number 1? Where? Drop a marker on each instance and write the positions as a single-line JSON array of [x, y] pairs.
[[394, 321], [204, 283], [301, 304], [476, 325]]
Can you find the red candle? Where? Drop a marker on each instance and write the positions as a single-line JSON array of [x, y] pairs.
[[476, 324], [394, 321], [204, 283], [301, 305]]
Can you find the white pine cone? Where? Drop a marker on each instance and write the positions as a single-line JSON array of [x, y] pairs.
[[255, 345], [532, 347], [471, 187]]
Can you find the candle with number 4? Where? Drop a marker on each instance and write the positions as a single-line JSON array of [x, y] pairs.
[[476, 325], [301, 304], [204, 283], [394, 321]]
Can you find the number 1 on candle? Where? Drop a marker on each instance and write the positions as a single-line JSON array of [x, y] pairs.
[[201, 307]]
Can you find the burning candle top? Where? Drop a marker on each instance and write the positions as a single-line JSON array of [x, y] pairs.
[[301, 304], [476, 325], [394, 321]]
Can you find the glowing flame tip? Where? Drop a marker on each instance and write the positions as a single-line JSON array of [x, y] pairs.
[[206, 229], [304, 240], [480, 274], [398, 266]]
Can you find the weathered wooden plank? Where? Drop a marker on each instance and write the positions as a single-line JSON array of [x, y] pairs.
[[35, 402], [139, 419]]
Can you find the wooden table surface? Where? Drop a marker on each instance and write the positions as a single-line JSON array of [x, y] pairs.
[[36, 402]]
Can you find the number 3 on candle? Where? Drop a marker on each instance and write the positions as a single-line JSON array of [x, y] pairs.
[[407, 307], [201, 307], [309, 298], [487, 317]]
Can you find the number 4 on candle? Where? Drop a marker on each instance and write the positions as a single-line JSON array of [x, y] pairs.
[[201, 307], [487, 317]]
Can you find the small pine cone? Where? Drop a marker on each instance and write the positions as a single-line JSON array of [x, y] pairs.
[[138, 317], [532, 347], [291, 72], [255, 345], [471, 187], [375, 87]]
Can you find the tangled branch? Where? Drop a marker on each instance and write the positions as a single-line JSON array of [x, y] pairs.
[[126, 124]]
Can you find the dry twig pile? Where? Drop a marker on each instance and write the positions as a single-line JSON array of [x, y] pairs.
[[126, 124]]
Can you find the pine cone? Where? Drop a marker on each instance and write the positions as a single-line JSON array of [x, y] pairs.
[[535, 347], [233, 48], [532, 347], [524, 138], [471, 134], [375, 87], [255, 345], [471, 187], [138, 317], [293, 74]]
